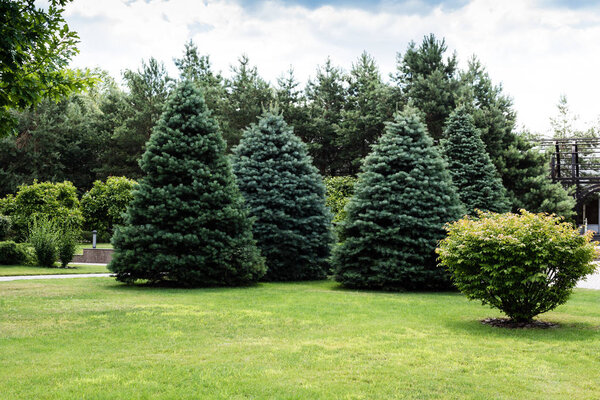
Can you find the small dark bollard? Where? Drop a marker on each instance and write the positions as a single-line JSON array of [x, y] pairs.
[[94, 239]]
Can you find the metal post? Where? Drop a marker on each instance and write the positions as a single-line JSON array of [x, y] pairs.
[[94, 239]]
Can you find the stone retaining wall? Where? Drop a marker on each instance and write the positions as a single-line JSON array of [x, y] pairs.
[[95, 256]]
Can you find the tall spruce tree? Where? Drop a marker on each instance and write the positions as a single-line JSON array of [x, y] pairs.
[[286, 195], [473, 173], [401, 201], [187, 223]]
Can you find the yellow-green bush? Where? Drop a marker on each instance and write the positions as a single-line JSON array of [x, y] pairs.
[[523, 264]]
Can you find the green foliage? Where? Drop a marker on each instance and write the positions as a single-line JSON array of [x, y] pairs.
[[12, 253], [137, 112], [248, 96], [44, 237], [104, 205], [525, 176], [187, 223], [428, 82], [5, 226], [366, 109], [325, 97], [473, 173], [402, 200], [66, 247], [523, 264], [198, 69], [55, 142], [55, 201], [36, 46], [339, 190], [286, 195], [523, 169]]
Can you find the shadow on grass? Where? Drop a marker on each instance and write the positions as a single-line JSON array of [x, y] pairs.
[[564, 332], [172, 287]]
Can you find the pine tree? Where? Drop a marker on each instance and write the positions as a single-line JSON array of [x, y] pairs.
[[187, 223], [473, 173], [287, 197], [326, 96], [367, 108], [428, 82], [401, 201]]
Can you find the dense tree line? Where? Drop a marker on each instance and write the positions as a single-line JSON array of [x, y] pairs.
[[338, 114]]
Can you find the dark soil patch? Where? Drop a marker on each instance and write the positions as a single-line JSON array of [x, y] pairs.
[[511, 324]]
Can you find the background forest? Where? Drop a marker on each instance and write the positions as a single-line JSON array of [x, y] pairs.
[[339, 114]]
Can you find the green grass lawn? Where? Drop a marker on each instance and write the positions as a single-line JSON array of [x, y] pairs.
[[97, 339], [13, 270], [82, 246]]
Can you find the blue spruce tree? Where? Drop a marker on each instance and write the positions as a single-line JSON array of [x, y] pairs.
[[286, 195]]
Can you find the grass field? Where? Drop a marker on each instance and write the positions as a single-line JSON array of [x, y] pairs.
[[96, 339], [14, 270]]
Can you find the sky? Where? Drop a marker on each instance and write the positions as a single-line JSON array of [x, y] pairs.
[[536, 49]]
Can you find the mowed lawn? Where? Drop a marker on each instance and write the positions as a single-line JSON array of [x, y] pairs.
[[94, 338]]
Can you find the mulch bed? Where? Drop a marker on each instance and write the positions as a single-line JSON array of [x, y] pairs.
[[510, 324]]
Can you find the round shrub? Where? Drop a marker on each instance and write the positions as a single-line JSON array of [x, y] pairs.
[[523, 264], [104, 206]]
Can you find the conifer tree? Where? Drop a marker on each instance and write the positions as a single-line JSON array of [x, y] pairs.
[[401, 201], [187, 223], [286, 195], [472, 170]]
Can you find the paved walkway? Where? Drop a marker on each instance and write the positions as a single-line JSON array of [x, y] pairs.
[[592, 281], [63, 276]]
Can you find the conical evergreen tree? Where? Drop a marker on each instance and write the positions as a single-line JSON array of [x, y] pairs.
[[401, 201], [286, 195], [473, 173], [187, 223]]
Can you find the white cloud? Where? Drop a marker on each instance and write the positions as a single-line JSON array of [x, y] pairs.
[[537, 52]]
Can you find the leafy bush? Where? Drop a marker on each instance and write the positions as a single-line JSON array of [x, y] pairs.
[[106, 202], [339, 190], [523, 264], [5, 225], [12, 253], [55, 201], [44, 237], [67, 245]]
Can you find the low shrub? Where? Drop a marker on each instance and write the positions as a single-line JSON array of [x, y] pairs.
[[12, 253], [5, 225], [67, 245], [44, 238], [523, 264]]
